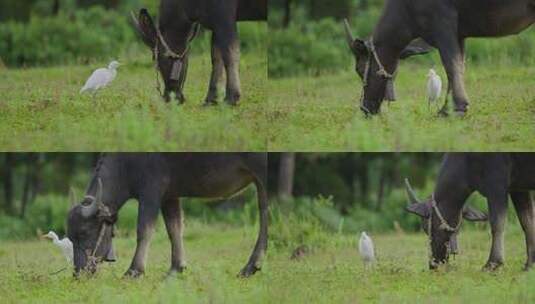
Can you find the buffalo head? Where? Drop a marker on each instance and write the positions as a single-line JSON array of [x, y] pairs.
[[442, 240], [169, 44], [89, 223], [378, 84]]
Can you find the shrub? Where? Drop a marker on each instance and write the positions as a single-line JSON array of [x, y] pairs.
[[87, 35], [78, 37], [48, 212]]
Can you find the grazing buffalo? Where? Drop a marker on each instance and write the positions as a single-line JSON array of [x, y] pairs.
[[425, 208], [178, 24], [442, 24], [157, 181], [496, 176]]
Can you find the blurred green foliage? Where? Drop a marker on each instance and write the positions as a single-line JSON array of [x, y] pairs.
[[85, 35], [85, 31]]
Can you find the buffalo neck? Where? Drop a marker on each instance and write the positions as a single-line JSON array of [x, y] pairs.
[[452, 188], [175, 24], [391, 35], [114, 192]]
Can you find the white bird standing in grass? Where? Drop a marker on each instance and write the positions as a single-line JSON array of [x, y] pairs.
[[100, 78], [366, 249], [434, 86], [65, 244]]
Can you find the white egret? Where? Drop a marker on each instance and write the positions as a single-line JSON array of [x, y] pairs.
[[366, 249], [65, 244], [434, 87], [100, 78]]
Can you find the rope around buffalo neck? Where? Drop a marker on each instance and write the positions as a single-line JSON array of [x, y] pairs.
[[92, 259], [443, 226], [170, 53], [380, 72], [443, 223]]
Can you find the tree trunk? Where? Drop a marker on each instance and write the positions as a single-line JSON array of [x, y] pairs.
[[362, 173], [287, 13], [8, 183], [382, 181], [286, 175], [28, 193], [55, 8]]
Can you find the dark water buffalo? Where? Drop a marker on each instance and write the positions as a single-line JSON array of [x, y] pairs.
[[157, 181], [177, 25], [425, 208], [496, 176], [442, 24]]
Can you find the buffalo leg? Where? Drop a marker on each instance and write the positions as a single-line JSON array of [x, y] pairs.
[[174, 223], [179, 92], [228, 42], [217, 73], [254, 263], [146, 218], [498, 212], [166, 95], [444, 110], [451, 53], [524, 210]]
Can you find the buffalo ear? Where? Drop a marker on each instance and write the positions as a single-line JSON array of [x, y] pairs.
[[474, 215], [357, 46], [416, 47], [145, 27], [421, 209]]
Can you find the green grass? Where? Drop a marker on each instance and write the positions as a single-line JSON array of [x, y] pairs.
[[321, 113], [330, 274], [41, 110]]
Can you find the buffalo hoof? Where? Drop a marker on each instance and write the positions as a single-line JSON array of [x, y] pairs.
[[528, 267], [248, 271], [176, 270], [233, 103], [443, 113], [492, 266], [209, 103], [232, 100], [460, 114], [180, 98], [133, 273]]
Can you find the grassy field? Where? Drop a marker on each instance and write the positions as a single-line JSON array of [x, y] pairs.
[[330, 274], [321, 113], [41, 110]]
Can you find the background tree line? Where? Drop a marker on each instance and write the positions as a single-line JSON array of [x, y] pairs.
[[52, 32]]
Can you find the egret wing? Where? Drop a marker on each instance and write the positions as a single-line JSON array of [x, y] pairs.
[[99, 78]]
